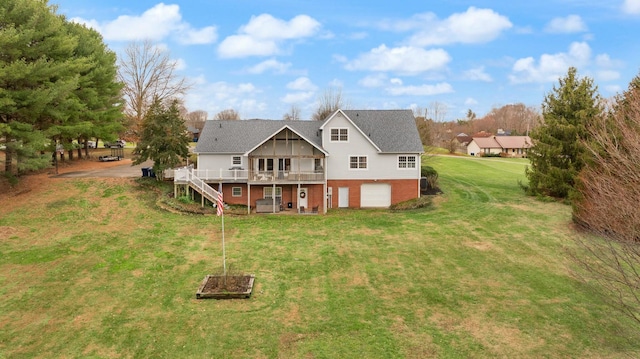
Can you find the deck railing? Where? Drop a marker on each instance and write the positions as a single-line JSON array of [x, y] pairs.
[[179, 175]]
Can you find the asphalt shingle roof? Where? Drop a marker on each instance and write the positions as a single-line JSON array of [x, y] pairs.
[[392, 131], [239, 136]]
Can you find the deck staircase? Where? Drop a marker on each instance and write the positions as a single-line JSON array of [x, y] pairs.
[[185, 175]]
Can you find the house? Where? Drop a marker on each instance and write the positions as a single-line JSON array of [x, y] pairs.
[[508, 146], [353, 159]]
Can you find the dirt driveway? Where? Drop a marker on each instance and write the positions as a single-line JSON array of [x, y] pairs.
[[116, 169]]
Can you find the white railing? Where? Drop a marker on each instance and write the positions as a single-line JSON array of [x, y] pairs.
[[187, 175], [179, 175]]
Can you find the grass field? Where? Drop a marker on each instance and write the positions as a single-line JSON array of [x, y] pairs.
[[482, 274]]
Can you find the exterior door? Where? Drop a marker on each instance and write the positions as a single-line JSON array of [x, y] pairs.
[[343, 197], [303, 195]]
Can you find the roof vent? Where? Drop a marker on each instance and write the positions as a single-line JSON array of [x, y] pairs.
[[215, 139]]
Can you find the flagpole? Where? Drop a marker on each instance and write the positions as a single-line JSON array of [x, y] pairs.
[[224, 256]]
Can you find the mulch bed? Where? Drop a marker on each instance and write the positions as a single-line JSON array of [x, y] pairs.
[[234, 287]]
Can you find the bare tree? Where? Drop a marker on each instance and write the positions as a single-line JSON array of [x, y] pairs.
[[228, 114], [437, 111], [293, 114], [196, 119], [606, 203], [147, 72], [329, 102]]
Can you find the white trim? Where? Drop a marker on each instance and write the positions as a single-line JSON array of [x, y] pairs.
[[353, 124], [277, 132], [339, 134], [359, 168], [233, 194], [415, 162]]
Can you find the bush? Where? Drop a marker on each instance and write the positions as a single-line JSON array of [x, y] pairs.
[[431, 175], [415, 203]]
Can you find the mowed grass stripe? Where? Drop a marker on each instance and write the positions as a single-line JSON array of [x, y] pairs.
[[482, 274]]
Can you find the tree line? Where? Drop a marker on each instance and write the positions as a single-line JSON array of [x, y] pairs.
[[587, 152], [58, 83]]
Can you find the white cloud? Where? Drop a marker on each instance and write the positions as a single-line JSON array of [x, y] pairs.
[[477, 74], [423, 90], [604, 60], [470, 27], [157, 23], [269, 65], [302, 84], [607, 75], [550, 67], [613, 89], [631, 7], [375, 80], [396, 81], [264, 34], [566, 25], [206, 35], [180, 64], [405, 60], [470, 101], [218, 96], [297, 97]]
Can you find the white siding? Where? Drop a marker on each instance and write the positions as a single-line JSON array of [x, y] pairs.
[[379, 166], [473, 148], [219, 162]]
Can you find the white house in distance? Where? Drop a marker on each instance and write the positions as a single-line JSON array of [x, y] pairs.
[[353, 159], [508, 146]]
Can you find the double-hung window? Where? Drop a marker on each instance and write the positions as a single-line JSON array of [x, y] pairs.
[[236, 160], [406, 161], [339, 135], [358, 162], [268, 192]]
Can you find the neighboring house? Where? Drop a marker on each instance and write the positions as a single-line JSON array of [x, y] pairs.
[[354, 159], [194, 133], [508, 146]]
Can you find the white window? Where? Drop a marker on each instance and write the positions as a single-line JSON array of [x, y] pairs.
[[358, 162], [268, 191], [236, 191], [339, 135], [236, 160], [406, 161]]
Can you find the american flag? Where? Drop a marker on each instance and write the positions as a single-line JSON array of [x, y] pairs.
[[219, 203]]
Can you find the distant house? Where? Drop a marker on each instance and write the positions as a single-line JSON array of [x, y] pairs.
[[508, 146], [194, 133], [353, 159]]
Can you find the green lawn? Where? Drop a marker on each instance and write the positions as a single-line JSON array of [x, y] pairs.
[[482, 274]]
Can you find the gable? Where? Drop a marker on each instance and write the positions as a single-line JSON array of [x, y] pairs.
[[389, 131], [240, 136]]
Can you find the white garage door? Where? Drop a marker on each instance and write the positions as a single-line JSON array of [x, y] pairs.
[[375, 195]]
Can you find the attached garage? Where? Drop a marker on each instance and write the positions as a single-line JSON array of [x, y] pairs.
[[375, 195]]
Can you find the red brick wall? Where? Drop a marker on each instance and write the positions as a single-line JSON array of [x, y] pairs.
[[289, 194], [401, 190]]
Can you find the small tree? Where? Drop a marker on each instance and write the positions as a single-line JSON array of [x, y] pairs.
[[293, 114], [330, 101], [558, 154], [147, 72], [163, 138], [228, 114]]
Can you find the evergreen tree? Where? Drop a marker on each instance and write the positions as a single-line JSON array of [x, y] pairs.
[[37, 75], [558, 154], [163, 138]]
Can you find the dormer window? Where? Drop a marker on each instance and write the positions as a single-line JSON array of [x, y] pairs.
[[339, 135]]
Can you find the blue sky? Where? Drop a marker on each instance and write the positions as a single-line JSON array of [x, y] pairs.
[[262, 57]]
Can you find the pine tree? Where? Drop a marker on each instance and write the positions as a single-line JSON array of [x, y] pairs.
[[163, 138], [558, 154]]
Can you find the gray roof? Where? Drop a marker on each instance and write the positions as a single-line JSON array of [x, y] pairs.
[[240, 136], [392, 131]]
